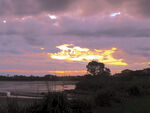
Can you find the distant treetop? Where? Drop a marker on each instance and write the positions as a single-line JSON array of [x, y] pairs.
[[97, 68]]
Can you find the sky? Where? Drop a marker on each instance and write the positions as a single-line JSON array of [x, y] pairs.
[[61, 36]]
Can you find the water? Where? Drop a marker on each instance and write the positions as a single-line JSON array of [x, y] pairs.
[[36, 86]]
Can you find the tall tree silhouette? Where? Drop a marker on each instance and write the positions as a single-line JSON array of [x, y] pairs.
[[97, 68]]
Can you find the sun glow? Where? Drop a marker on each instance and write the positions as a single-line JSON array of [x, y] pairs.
[[69, 52]]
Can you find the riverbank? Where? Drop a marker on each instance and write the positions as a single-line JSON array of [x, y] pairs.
[[49, 102], [127, 92]]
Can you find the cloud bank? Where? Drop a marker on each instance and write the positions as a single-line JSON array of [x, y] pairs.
[[26, 27]]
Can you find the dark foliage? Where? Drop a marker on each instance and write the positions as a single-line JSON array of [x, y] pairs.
[[37, 78], [51, 103], [97, 68], [107, 90]]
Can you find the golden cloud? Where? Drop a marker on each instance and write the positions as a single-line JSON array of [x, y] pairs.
[[69, 52]]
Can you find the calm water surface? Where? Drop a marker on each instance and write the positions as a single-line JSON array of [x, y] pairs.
[[36, 86]]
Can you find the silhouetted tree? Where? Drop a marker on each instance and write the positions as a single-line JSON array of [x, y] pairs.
[[107, 71], [97, 68]]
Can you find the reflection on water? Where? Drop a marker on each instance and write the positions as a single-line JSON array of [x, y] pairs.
[[36, 86]]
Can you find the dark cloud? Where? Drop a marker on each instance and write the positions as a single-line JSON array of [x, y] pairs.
[[32, 7], [134, 8], [107, 28], [10, 51], [139, 7], [147, 48], [34, 40], [54, 5], [144, 51]]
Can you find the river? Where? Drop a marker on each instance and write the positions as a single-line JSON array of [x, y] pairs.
[[27, 87]]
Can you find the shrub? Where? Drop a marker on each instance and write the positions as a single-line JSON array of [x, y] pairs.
[[52, 103], [103, 98], [134, 91]]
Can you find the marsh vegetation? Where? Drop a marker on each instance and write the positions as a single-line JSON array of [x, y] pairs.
[[97, 92]]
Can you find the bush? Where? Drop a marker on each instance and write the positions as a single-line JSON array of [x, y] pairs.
[[103, 98], [52, 103], [134, 91]]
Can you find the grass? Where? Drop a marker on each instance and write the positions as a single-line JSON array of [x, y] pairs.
[[133, 105], [51, 103], [15, 105]]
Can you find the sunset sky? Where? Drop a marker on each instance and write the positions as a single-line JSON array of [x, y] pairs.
[[61, 36]]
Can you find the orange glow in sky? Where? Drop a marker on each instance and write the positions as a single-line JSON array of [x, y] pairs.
[[42, 48], [69, 52], [62, 73]]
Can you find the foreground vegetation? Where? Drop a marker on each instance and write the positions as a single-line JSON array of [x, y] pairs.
[[51, 103], [98, 92], [125, 92]]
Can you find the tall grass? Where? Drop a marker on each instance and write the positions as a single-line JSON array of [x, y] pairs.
[[51, 103]]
